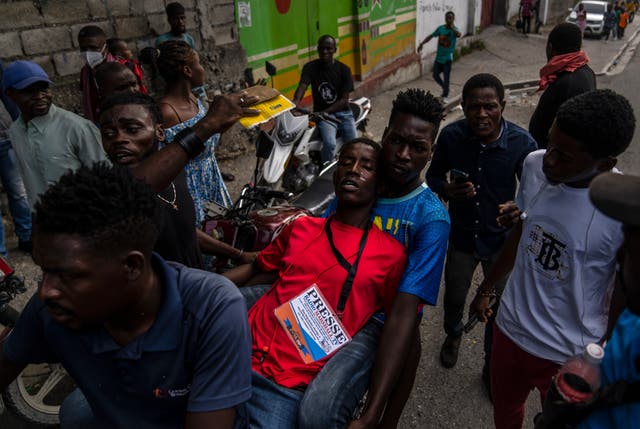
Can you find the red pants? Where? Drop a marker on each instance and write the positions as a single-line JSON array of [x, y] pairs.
[[514, 373]]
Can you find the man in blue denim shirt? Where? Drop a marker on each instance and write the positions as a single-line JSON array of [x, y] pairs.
[[483, 154]]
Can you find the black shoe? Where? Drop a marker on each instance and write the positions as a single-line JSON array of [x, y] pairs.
[[449, 351], [25, 245]]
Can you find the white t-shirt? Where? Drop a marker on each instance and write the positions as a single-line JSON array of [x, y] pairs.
[[557, 298]]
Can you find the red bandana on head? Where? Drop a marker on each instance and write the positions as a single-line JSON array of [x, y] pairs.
[[559, 63]]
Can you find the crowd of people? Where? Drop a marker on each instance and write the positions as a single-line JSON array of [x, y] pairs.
[[114, 200], [618, 16]]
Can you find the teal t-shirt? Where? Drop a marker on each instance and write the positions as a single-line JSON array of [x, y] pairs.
[[169, 36], [446, 43]]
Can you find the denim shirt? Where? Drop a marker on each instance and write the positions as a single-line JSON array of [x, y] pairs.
[[492, 169]]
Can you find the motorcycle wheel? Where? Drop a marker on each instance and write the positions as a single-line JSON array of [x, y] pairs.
[[38, 392]]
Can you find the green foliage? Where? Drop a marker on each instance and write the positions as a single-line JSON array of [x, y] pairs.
[[474, 45]]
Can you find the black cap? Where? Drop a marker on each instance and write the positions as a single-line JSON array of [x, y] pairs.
[[617, 196]]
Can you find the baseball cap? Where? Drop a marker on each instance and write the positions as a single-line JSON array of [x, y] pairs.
[[617, 196], [21, 74]]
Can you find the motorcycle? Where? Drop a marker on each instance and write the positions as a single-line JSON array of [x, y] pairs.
[[295, 163], [261, 213], [36, 395]]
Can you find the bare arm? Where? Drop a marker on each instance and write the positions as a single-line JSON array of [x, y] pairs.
[[300, 90], [242, 274], [341, 104], [221, 419], [395, 343], [210, 245], [425, 41], [501, 268]]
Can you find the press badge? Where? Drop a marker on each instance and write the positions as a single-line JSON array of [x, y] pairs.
[[312, 325]]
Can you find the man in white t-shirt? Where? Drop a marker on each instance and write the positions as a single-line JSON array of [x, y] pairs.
[[562, 254]]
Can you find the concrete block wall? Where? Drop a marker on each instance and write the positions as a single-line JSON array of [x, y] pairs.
[[46, 31]]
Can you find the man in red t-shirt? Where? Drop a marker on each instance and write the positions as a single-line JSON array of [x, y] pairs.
[[319, 252]]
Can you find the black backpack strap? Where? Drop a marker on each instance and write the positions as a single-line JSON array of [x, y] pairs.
[[350, 268]]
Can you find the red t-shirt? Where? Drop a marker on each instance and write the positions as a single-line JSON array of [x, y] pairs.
[[303, 256]]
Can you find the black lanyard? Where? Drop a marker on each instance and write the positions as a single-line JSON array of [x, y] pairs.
[[351, 269]]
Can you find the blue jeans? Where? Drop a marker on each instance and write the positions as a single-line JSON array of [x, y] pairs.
[[329, 130], [75, 413], [334, 394], [16, 194], [272, 406], [445, 71]]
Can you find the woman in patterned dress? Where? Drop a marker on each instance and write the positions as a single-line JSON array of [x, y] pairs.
[[180, 67]]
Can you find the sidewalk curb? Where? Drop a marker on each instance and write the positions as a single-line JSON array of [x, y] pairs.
[[616, 58], [524, 85]]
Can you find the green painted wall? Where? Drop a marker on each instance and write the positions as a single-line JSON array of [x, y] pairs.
[[371, 33]]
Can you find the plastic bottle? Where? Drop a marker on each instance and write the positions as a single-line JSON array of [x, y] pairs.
[[577, 382], [579, 378]]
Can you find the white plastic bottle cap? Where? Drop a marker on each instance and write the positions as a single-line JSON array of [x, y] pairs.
[[595, 352]]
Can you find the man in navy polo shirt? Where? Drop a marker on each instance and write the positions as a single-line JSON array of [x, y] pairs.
[[150, 344], [482, 154]]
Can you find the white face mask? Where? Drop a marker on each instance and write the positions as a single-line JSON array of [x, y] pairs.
[[94, 58]]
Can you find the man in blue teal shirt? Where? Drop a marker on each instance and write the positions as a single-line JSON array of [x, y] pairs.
[[447, 35], [177, 17]]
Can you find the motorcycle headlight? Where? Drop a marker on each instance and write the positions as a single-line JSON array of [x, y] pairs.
[[284, 136]]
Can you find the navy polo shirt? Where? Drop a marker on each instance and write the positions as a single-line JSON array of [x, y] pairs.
[[196, 356], [492, 169]]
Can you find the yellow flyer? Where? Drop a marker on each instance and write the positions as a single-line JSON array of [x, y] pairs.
[[312, 325], [268, 109]]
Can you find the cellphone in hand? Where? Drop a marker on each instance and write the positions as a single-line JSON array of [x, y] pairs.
[[458, 176]]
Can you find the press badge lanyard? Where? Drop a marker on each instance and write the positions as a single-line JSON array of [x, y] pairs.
[[350, 268]]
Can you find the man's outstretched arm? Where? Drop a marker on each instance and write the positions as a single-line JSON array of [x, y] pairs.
[[395, 344], [163, 166], [425, 41], [300, 90], [420, 283]]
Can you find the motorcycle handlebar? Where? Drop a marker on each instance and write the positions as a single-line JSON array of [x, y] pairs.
[[270, 193]]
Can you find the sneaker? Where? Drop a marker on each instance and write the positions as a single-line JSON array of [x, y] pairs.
[[449, 351], [445, 100]]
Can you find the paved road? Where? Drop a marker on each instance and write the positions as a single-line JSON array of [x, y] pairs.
[[455, 398], [448, 398]]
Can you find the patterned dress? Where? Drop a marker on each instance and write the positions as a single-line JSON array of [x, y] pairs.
[[203, 175]]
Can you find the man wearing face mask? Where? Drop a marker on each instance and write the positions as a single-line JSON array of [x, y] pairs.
[[93, 47]]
